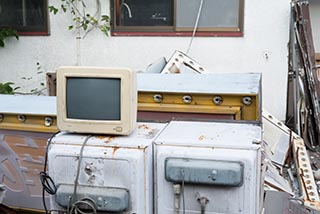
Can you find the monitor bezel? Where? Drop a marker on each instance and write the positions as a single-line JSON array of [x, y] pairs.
[[128, 101]]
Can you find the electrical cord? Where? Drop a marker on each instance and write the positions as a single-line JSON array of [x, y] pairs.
[[74, 206], [182, 191], [50, 187], [46, 181], [195, 26], [79, 164]]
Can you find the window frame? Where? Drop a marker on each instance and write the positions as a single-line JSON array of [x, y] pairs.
[[117, 30], [33, 30]]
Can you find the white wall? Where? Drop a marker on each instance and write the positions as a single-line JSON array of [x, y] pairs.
[[315, 23], [262, 49]]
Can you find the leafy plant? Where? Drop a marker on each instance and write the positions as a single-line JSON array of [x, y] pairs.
[[37, 90], [81, 18], [7, 33], [6, 88]]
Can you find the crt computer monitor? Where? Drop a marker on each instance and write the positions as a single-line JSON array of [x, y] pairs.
[[96, 100]]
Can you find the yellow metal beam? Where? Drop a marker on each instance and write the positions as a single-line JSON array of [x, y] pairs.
[[202, 103], [35, 123], [171, 102]]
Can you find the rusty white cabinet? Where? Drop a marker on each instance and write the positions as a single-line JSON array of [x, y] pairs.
[[203, 167], [115, 172]]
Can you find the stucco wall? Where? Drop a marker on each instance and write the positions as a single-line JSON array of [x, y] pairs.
[[315, 23], [263, 48]]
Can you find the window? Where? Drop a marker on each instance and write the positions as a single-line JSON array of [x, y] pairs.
[[25, 16], [177, 17]]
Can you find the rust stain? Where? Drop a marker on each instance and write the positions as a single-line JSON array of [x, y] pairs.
[[201, 137], [114, 150], [100, 137], [145, 127], [107, 139]]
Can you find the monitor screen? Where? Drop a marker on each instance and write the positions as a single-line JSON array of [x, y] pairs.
[[93, 98]]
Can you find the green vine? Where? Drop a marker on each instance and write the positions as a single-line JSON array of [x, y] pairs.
[[81, 18], [7, 33], [7, 87]]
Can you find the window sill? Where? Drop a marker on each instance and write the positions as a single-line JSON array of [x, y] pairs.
[[33, 33], [178, 34]]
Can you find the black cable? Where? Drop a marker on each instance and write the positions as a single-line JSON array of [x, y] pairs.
[[46, 181]]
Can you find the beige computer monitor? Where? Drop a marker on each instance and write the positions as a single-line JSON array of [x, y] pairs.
[[96, 100]]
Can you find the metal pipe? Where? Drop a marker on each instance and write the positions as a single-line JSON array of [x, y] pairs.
[[294, 71]]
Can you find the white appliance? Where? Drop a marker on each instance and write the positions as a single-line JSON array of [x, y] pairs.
[[116, 172], [209, 168]]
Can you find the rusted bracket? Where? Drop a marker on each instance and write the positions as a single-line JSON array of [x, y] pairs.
[[308, 187]]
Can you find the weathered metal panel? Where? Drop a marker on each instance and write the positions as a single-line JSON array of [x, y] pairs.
[[211, 134], [216, 142], [169, 116], [201, 84], [21, 160], [28, 113], [27, 104], [123, 162]]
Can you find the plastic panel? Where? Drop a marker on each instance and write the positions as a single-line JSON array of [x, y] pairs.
[[211, 172], [106, 199]]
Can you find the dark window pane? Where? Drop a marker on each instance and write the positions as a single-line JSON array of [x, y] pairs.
[[10, 12], [146, 13], [34, 12], [24, 15]]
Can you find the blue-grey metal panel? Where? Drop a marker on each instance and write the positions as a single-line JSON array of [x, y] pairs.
[[28, 104], [105, 198], [248, 83], [210, 172]]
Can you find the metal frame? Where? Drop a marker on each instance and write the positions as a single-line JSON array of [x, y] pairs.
[[303, 109], [117, 28]]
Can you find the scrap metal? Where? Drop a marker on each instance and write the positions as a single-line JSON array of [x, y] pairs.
[[303, 112]]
